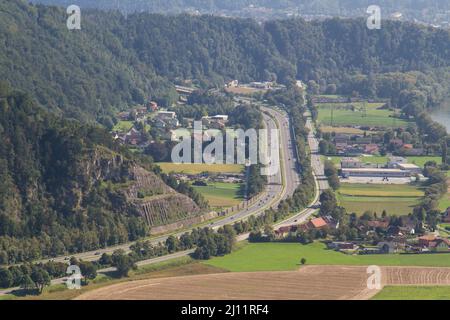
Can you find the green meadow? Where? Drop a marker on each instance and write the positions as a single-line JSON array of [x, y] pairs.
[[286, 256], [220, 194], [123, 126], [413, 293], [419, 160], [345, 114], [396, 199]]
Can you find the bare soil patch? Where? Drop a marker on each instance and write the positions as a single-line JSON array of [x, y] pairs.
[[308, 283]]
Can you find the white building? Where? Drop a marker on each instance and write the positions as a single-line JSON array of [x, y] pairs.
[[412, 168], [375, 172], [166, 115]]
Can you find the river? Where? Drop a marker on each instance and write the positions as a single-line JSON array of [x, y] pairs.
[[442, 116]]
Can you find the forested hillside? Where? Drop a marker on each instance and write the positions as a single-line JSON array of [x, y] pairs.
[[329, 7], [66, 187], [85, 74], [116, 60]]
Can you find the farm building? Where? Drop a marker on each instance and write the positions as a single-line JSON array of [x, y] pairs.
[[412, 168], [166, 115], [425, 241], [337, 245], [375, 172], [440, 245]]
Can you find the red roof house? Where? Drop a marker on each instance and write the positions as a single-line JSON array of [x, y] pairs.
[[317, 223]]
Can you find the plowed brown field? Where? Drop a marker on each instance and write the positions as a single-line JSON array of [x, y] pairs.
[[308, 283]]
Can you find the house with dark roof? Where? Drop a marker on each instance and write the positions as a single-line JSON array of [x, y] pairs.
[[439, 245]]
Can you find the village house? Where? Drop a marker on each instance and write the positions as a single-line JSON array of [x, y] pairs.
[[320, 223], [396, 142], [378, 224], [439, 245], [133, 137], [316, 223], [401, 231], [412, 168], [215, 122], [337, 245], [371, 148], [432, 243], [158, 123], [141, 112], [424, 241], [232, 84], [392, 244], [119, 137], [283, 231], [408, 146], [152, 106], [387, 247], [168, 117], [124, 116]]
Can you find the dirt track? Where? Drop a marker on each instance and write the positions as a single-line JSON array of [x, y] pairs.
[[310, 282]]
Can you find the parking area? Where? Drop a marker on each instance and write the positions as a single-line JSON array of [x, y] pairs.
[[377, 180]]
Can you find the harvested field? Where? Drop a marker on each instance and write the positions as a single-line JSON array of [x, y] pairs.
[[416, 276], [310, 282]]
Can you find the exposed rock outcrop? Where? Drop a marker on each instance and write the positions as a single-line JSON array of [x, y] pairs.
[[144, 191]]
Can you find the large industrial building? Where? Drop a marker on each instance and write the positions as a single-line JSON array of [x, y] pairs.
[[375, 172]]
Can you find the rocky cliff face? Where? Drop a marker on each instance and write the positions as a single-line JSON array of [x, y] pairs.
[[144, 191]]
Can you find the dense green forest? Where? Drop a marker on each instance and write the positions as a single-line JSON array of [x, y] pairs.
[[84, 74], [67, 187], [325, 7], [116, 60]]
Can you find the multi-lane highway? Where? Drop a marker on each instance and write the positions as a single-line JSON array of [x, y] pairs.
[[280, 186], [288, 158], [320, 179], [274, 192]]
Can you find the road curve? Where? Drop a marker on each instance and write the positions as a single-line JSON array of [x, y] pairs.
[[288, 176], [270, 198]]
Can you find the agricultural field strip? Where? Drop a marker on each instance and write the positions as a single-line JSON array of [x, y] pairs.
[[309, 282]]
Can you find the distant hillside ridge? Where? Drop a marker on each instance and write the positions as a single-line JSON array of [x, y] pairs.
[[115, 60]]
